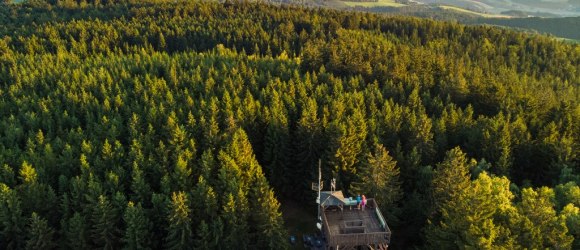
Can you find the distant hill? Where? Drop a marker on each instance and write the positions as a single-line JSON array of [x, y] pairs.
[[566, 27]]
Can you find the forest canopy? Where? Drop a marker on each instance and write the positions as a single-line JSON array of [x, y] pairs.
[[183, 124]]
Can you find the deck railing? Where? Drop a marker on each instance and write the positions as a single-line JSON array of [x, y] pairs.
[[359, 239], [356, 239]]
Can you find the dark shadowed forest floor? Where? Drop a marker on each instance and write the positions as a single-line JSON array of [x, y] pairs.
[[298, 219]]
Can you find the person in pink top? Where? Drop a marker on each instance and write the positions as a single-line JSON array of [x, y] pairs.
[[364, 202]]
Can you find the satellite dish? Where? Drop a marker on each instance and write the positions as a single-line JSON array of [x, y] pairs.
[[319, 226]]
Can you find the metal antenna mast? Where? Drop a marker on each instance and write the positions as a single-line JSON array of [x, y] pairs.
[[319, 224]]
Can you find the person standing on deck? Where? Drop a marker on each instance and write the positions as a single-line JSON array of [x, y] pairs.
[[364, 202], [358, 200]]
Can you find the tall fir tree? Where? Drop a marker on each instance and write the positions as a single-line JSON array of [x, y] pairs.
[[538, 225], [12, 221], [208, 208], [40, 234], [474, 218], [138, 229], [141, 189], [203, 238], [347, 147], [265, 217], [105, 231], [276, 146], [451, 177], [378, 177], [77, 233], [234, 216], [306, 146], [180, 234]]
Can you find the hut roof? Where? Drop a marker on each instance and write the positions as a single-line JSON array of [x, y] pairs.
[[331, 198]]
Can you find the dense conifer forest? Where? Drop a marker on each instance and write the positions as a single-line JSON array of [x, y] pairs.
[[182, 124]]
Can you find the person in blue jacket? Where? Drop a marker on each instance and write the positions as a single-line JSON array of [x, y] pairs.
[[358, 200]]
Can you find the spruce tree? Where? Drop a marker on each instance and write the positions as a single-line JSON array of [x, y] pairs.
[[539, 226], [137, 233], [474, 218], [40, 235], [379, 178], [12, 222], [276, 146], [7, 175], [77, 233], [180, 234], [234, 216], [347, 147], [307, 146], [266, 218], [141, 189], [105, 231], [451, 177], [206, 207], [203, 238], [571, 214]]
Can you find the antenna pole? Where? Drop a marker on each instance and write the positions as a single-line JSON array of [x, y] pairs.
[[319, 186]]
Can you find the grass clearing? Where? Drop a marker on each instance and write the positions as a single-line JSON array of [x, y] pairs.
[[454, 8], [380, 3]]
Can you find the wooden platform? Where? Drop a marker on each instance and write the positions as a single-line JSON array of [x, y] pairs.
[[337, 221], [350, 227]]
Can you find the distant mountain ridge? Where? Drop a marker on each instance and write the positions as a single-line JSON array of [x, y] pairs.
[[556, 17], [565, 27]]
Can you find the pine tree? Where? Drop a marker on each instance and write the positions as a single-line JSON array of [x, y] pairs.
[[571, 214], [217, 232], [162, 44], [347, 147], [105, 230], [137, 234], [473, 218], [229, 177], [35, 196], [379, 178], [277, 145], [181, 175], [207, 165], [204, 237], [240, 149], [239, 164], [539, 226], [76, 232], [266, 218], [206, 210], [307, 146], [451, 178], [180, 234], [497, 144], [7, 175], [40, 235], [139, 186], [234, 216], [158, 216], [12, 222]]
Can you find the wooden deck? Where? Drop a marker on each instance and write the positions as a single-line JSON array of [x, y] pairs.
[[353, 227]]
